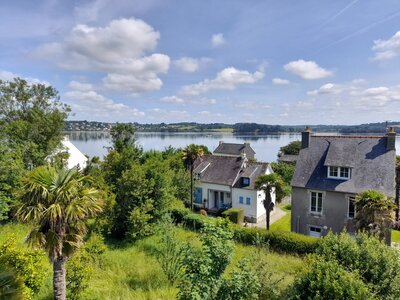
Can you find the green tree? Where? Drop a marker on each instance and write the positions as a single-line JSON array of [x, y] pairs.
[[59, 203], [375, 213], [31, 119], [293, 148], [190, 154], [285, 170], [271, 183]]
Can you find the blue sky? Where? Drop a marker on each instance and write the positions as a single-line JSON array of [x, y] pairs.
[[151, 61]]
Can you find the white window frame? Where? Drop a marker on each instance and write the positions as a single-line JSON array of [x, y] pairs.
[[349, 197], [322, 202], [339, 169]]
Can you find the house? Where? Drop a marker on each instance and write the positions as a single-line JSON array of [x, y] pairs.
[[331, 171], [75, 157], [228, 181], [235, 150]]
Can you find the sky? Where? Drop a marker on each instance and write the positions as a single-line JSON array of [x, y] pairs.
[[207, 61]]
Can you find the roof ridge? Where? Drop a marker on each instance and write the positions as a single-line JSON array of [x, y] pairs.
[[350, 136]]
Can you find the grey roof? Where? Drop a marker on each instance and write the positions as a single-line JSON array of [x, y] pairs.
[[228, 170], [373, 166], [287, 158], [234, 149], [252, 171], [220, 169]]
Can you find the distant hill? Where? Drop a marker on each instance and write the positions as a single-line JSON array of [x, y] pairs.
[[239, 128]]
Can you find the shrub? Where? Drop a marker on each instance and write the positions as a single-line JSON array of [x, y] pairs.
[[177, 214], [235, 215], [26, 263], [328, 280], [278, 240], [195, 221]]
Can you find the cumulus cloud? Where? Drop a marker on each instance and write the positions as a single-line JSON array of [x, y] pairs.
[[387, 49], [88, 103], [181, 101], [9, 76], [329, 88], [189, 64], [227, 79], [120, 49], [280, 81], [308, 70], [217, 40]]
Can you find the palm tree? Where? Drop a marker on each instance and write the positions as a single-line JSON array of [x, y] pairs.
[[270, 183], [10, 285], [58, 203], [397, 198], [190, 154], [375, 213]]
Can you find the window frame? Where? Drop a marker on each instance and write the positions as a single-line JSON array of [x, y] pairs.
[[315, 227], [339, 171], [348, 207], [322, 202]]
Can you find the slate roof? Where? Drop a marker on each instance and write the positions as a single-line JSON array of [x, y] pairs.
[[234, 149], [252, 171], [228, 170], [373, 166]]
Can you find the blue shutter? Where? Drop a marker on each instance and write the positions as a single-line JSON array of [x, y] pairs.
[[198, 195], [241, 199], [248, 200]]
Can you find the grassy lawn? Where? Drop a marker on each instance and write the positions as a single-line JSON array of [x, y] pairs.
[[133, 272], [396, 236], [282, 224]]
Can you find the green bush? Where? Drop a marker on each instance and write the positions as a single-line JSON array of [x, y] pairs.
[[177, 214], [278, 240], [235, 215], [328, 280], [195, 221], [26, 263]]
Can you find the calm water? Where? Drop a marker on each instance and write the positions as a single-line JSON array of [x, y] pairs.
[[94, 143]]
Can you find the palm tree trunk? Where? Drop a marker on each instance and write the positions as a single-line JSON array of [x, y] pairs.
[[59, 282], [191, 186], [268, 218]]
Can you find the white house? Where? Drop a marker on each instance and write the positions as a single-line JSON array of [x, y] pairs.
[[222, 182], [75, 157]]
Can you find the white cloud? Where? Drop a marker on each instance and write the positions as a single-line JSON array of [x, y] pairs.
[[217, 40], [80, 86], [329, 88], [252, 105], [189, 64], [89, 104], [387, 49], [227, 79], [119, 49], [181, 101], [280, 81], [9, 76], [308, 70], [208, 114]]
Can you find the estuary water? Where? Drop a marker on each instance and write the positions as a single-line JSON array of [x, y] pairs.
[[95, 143]]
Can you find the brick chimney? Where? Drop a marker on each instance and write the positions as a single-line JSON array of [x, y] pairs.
[[305, 138], [391, 139]]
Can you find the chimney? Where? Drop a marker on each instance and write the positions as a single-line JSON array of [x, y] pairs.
[[391, 139], [305, 138], [247, 144], [221, 142]]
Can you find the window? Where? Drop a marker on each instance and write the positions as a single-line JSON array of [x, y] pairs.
[[245, 181], [339, 172], [316, 202], [248, 200], [351, 213], [333, 171], [241, 200], [315, 231]]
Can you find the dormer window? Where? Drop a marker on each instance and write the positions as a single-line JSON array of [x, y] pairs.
[[245, 181], [339, 172]]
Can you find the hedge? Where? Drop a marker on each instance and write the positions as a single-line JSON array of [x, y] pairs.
[[282, 241], [235, 215]]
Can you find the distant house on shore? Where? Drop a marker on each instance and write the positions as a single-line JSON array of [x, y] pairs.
[[234, 150], [331, 171], [227, 180]]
